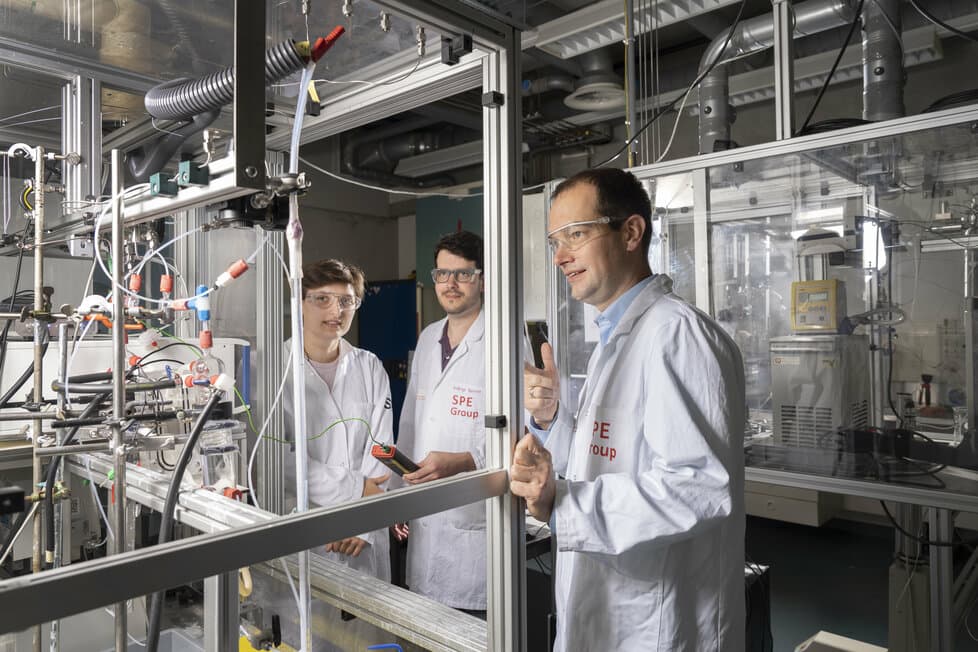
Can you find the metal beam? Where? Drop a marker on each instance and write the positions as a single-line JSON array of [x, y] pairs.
[[603, 23], [784, 69], [341, 112], [458, 17], [55, 63], [249, 96], [35, 599], [373, 600], [815, 141], [938, 498], [941, 580], [448, 158], [221, 616], [502, 222]]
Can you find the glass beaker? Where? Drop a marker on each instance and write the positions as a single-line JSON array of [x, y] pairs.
[[960, 423]]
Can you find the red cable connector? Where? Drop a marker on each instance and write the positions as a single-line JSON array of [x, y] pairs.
[[322, 45]]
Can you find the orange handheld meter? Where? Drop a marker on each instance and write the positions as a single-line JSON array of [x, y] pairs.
[[395, 460]]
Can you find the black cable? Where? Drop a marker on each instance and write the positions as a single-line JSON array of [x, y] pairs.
[[13, 295], [78, 422], [934, 19], [155, 608], [142, 360], [49, 479], [835, 65], [832, 124], [166, 466], [954, 99], [689, 89], [58, 386], [756, 568], [95, 377], [926, 542], [25, 375]]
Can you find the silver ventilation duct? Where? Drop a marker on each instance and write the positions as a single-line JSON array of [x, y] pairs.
[[883, 73], [752, 36]]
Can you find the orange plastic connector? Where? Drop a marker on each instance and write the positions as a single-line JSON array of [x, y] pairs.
[[238, 268], [107, 322], [206, 340], [188, 381], [233, 493], [134, 360], [166, 284], [135, 283]]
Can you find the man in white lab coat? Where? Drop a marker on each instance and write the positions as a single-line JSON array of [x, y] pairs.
[[442, 429], [348, 409], [647, 500]]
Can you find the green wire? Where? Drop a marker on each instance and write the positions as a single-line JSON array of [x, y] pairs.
[[314, 437], [247, 408], [178, 339]]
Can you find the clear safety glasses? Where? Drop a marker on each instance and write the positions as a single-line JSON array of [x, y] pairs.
[[461, 275], [575, 235], [323, 300]]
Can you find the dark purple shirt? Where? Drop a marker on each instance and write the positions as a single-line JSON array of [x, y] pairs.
[[446, 348]]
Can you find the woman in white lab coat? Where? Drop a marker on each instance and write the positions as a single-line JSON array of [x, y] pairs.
[[348, 407]]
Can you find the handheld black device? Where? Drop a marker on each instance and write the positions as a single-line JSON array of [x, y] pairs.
[[395, 460]]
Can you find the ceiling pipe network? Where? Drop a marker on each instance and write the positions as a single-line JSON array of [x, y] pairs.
[[752, 36]]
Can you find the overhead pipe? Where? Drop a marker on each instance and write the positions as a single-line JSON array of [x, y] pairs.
[[549, 83], [754, 35], [883, 72], [374, 156]]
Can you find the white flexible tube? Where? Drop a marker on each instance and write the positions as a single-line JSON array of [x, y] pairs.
[[98, 254], [166, 244], [98, 501], [71, 360], [293, 233], [264, 426]]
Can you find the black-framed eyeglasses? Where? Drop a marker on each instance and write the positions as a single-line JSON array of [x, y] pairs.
[[461, 275]]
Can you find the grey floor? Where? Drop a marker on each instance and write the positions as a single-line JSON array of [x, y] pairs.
[[831, 578]]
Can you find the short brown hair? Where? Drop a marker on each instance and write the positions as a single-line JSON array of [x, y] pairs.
[[463, 244], [325, 272], [620, 195]]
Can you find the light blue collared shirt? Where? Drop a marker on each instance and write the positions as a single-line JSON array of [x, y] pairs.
[[606, 322]]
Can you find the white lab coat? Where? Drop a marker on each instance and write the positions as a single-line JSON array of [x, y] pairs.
[[650, 516], [443, 411], [340, 460]]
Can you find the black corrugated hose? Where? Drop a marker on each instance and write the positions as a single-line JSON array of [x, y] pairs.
[[181, 99]]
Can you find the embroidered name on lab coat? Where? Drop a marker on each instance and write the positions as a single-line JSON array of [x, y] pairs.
[[601, 440], [464, 402]]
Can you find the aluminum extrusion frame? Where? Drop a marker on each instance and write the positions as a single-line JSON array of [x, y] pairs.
[[34, 599]]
